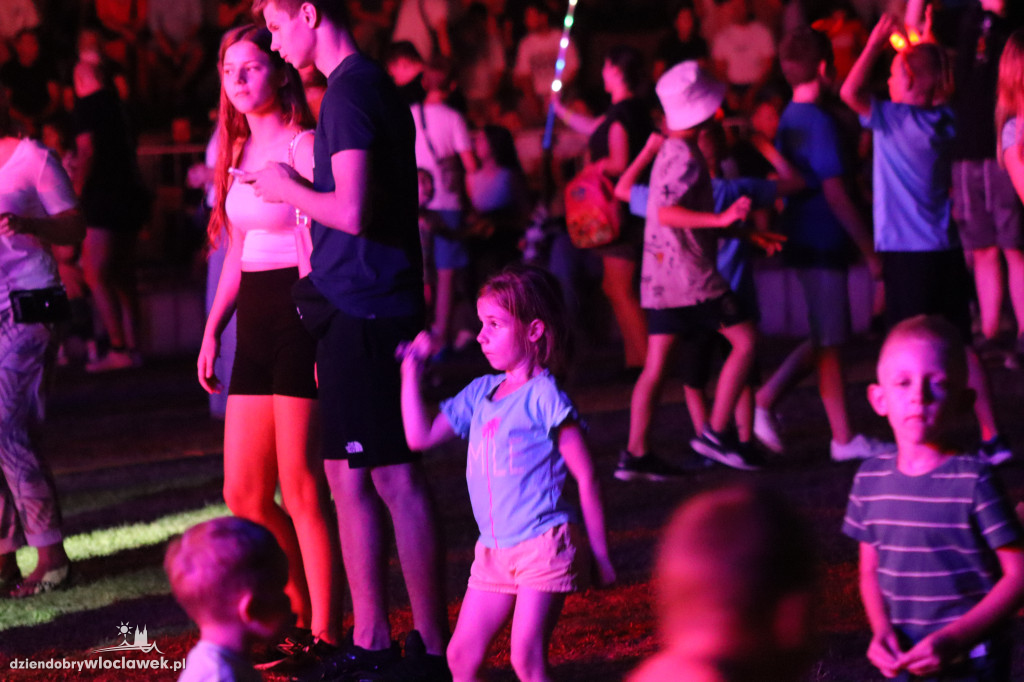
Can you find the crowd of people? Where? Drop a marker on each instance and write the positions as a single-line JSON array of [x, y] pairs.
[[364, 210]]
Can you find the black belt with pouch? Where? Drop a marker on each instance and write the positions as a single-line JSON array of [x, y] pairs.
[[33, 306]]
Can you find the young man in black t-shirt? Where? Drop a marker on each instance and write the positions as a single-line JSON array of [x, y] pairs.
[[364, 296]]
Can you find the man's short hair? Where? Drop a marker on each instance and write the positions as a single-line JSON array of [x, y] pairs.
[[335, 11], [212, 564], [801, 53]]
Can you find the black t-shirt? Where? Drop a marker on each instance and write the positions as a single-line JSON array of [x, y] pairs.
[[633, 115], [113, 195], [378, 273], [28, 85]]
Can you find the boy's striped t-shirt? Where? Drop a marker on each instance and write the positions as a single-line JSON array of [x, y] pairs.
[[935, 534]]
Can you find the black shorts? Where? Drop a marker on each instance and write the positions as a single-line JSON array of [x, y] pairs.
[[928, 283], [361, 389], [701, 353], [713, 314], [275, 354]]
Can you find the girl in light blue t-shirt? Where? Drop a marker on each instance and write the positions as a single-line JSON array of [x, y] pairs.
[[524, 441]]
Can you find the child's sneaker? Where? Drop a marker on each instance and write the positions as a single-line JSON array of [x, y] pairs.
[[648, 467], [714, 446], [860, 447], [766, 429], [995, 451]]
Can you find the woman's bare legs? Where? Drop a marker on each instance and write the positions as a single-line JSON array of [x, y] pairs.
[[617, 285], [250, 481], [305, 495]]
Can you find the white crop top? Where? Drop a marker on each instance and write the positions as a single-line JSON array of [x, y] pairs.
[[268, 231]]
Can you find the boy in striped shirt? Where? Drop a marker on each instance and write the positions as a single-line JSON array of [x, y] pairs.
[[941, 553]]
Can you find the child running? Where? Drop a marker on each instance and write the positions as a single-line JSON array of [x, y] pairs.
[[941, 553], [524, 439]]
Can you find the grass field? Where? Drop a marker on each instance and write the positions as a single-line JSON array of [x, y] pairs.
[[137, 462]]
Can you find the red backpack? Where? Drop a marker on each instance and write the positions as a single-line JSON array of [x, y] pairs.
[[591, 212]]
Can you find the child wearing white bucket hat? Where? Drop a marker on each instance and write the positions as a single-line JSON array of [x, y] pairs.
[[681, 289]]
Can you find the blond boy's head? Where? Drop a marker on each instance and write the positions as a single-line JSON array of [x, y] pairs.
[[920, 75], [922, 380], [735, 579], [230, 572]]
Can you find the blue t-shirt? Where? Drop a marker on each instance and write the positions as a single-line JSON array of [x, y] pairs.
[[809, 138], [913, 170], [516, 475], [378, 273]]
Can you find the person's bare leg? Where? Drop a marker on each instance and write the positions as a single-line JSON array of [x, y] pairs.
[[697, 406], [250, 482], [533, 622], [978, 381], [988, 280], [647, 392], [1015, 285], [123, 283], [363, 551], [96, 264], [304, 492], [617, 285], [405, 492], [481, 617], [832, 388], [744, 414], [795, 367], [733, 376]]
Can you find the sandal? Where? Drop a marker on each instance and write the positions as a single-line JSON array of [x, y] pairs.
[[54, 579]]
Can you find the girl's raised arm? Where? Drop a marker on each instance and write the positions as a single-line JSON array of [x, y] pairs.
[[423, 429]]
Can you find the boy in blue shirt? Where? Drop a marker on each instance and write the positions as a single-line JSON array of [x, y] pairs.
[[924, 268]]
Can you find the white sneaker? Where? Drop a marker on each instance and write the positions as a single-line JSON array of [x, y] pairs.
[[115, 359], [860, 447], [766, 429]]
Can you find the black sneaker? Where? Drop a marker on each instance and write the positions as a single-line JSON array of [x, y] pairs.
[[416, 666], [320, 662], [648, 467], [266, 656], [714, 446]]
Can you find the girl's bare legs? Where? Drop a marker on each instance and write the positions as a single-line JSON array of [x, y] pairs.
[[250, 481], [304, 491], [97, 255], [533, 622], [482, 615]]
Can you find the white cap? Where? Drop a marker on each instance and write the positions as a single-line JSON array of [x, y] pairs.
[[689, 95]]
